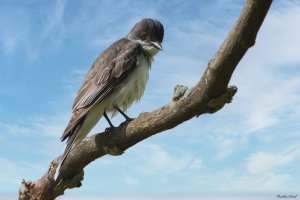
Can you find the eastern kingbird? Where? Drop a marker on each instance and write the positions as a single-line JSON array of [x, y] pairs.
[[117, 79]]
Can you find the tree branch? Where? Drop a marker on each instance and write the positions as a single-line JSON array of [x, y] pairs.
[[207, 96]]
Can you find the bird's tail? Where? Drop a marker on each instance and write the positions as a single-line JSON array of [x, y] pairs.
[[70, 143]]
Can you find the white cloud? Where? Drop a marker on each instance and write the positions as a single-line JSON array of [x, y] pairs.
[[151, 160], [9, 44], [45, 126], [261, 162], [263, 183], [130, 180], [15, 129], [54, 19], [24, 32], [226, 147], [15, 29], [278, 42], [197, 164], [233, 182], [154, 159], [9, 172], [73, 80], [267, 107]]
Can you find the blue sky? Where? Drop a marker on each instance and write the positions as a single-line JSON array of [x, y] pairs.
[[248, 149]]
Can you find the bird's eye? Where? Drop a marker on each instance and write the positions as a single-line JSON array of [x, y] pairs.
[[143, 35]]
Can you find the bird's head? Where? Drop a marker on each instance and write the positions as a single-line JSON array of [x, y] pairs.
[[149, 33]]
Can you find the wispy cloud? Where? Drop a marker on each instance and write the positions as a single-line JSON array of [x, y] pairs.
[[131, 181], [10, 173], [54, 18], [24, 32], [73, 80], [156, 160], [9, 44], [15, 29], [35, 126], [261, 162], [278, 35], [151, 163], [234, 182], [265, 183]]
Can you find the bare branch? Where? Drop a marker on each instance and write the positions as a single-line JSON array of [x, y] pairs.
[[209, 95]]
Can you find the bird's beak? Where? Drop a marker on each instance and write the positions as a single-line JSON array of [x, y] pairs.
[[157, 45]]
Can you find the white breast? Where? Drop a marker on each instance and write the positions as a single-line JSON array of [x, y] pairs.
[[133, 89]]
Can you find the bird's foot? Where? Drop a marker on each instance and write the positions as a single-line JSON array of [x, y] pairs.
[[129, 119], [110, 129]]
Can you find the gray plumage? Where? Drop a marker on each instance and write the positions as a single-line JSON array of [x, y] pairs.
[[117, 78]]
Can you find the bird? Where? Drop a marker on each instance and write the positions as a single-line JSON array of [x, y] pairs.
[[115, 81]]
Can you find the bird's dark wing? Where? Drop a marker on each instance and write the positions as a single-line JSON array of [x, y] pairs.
[[110, 68]]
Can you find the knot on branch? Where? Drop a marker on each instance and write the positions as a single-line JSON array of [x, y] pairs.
[[180, 92], [25, 190], [112, 150], [217, 103], [64, 184]]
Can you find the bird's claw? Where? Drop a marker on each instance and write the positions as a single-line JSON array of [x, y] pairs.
[[110, 129], [127, 121]]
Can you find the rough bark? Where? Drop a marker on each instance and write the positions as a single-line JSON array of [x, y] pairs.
[[207, 96]]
